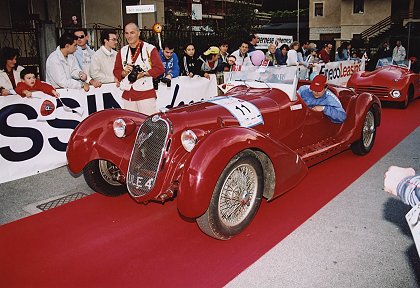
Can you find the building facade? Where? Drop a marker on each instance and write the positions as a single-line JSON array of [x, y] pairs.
[[331, 19], [85, 13], [348, 19]]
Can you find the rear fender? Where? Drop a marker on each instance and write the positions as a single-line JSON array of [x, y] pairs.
[[94, 138], [364, 102], [212, 154]]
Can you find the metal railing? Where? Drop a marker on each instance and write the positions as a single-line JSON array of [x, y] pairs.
[[26, 41], [180, 38], [377, 28]]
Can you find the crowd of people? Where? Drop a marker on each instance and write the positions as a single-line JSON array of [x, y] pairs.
[[139, 66]]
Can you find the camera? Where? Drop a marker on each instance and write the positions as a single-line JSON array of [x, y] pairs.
[[162, 79], [132, 77], [167, 81]]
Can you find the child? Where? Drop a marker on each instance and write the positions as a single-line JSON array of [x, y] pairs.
[[29, 83], [190, 67], [230, 62]]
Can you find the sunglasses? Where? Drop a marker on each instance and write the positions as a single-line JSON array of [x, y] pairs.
[[81, 36]]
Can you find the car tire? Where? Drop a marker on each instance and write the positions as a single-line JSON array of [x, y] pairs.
[[101, 176], [409, 97], [367, 139], [404, 104], [237, 193]]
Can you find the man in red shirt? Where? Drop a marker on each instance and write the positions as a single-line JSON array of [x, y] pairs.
[[324, 55], [139, 94]]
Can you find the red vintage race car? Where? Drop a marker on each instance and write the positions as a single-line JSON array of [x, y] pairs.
[[219, 157], [391, 81]]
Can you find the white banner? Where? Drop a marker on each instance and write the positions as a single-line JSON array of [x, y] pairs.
[[139, 9], [265, 39], [338, 72], [30, 145]]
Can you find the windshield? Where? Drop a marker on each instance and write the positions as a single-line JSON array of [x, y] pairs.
[[283, 78], [270, 74], [383, 62]]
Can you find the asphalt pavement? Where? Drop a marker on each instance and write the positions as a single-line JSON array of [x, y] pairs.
[[359, 239]]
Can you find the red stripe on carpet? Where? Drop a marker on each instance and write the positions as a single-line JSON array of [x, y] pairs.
[[114, 242]]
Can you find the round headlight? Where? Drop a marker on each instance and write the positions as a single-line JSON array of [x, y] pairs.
[[119, 127], [188, 140], [395, 94]]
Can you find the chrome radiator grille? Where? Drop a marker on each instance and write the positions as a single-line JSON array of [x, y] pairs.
[[147, 156], [377, 90]]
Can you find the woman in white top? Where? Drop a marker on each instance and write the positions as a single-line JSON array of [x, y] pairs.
[[9, 70], [292, 56]]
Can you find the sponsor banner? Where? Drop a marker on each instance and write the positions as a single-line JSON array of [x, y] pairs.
[[265, 39], [34, 133], [338, 72]]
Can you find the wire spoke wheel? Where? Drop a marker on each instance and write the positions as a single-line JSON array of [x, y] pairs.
[[102, 176], [367, 138], [109, 172], [368, 129], [238, 195]]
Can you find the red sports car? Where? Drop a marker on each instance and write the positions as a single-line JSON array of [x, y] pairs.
[[219, 157], [391, 81]]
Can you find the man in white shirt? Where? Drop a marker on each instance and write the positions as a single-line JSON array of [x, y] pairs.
[[84, 54], [398, 54], [242, 56], [62, 70], [102, 65]]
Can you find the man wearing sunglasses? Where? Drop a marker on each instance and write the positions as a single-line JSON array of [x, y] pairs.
[[84, 54]]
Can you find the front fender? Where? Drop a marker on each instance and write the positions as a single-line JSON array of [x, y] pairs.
[[94, 138], [212, 154]]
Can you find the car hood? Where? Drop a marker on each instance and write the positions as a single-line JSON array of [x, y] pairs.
[[382, 75], [204, 118]]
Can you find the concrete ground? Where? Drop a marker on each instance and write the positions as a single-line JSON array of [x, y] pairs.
[[359, 239]]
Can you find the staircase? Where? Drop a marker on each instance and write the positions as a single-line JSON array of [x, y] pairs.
[[378, 29], [388, 27]]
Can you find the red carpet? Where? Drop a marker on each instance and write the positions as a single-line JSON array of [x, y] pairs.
[[114, 242]]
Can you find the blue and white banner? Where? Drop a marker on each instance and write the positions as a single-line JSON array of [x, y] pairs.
[[31, 142]]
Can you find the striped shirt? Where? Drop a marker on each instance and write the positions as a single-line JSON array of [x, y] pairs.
[[409, 190]]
